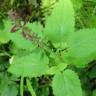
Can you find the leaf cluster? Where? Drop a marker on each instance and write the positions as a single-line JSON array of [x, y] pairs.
[[56, 59]]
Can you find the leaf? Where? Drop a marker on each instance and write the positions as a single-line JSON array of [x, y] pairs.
[[94, 93], [77, 4], [17, 37], [58, 68], [32, 65], [61, 22], [12, 2], [6, 91], [82, 49], [66, 84], [21, 42], [6, 86], [47, 3], [36, 28], [1, 23], [4, 33]]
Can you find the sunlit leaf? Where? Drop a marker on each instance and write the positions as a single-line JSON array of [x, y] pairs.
[[61, 22], [31, 65], [81, 47], [66, 83]]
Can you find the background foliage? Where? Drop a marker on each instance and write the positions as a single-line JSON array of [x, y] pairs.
[[52, 52]]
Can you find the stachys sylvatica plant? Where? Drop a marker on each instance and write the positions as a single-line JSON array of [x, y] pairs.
[[47, 55]]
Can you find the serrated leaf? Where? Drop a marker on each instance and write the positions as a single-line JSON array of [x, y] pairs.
[[66, 84], [21, 42], [61, 22], [32, 65], [82, 49]]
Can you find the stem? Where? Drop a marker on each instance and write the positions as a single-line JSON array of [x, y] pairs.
[[30, 88], [21, 86]]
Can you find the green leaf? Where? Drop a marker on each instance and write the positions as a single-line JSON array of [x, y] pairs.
[[12, 2], [36, 28], [1, 23], [6, 85], [6, 91], [58, 68], [77, 4], [61, 22], [32, 65], [94, 93], [4, 33], [82, 47], [21, 42], [66, 84], [47, 3]]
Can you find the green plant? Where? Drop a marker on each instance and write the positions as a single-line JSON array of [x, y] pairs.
[[47, 61]]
